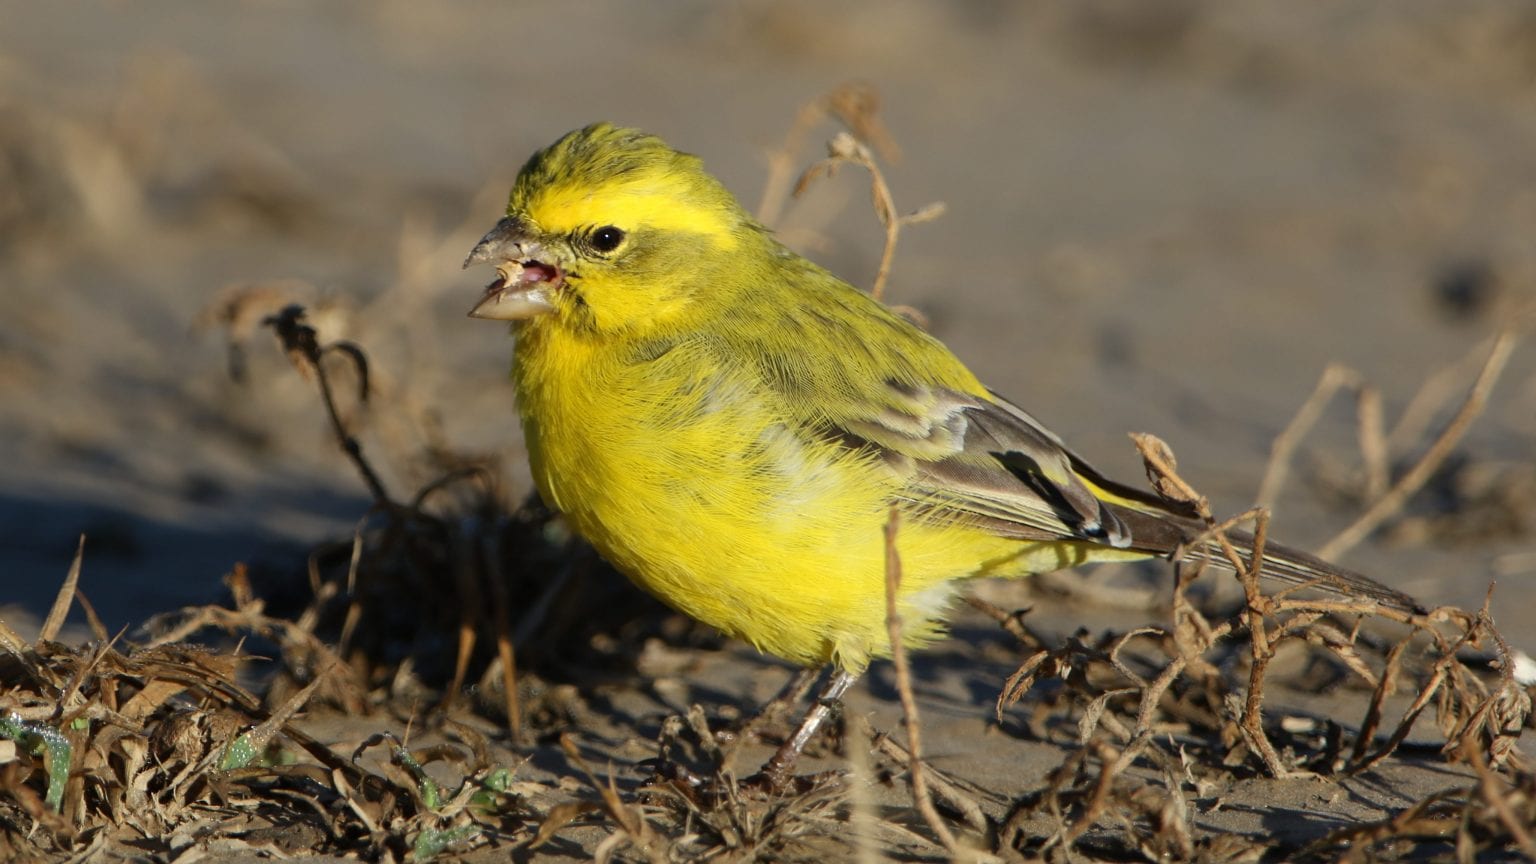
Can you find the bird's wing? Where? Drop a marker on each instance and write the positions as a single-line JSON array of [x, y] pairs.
[[985, 459], [962, 451]]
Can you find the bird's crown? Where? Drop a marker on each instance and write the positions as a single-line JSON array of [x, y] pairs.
[[604, 174]]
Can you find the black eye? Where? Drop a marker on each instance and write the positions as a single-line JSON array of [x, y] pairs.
[[607, 238]]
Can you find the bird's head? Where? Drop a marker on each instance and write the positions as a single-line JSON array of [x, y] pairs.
[[609, 229]]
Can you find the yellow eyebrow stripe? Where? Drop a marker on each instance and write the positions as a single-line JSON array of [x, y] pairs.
[[564, 209]]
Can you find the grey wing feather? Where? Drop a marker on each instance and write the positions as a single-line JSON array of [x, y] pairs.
[[989, 460]]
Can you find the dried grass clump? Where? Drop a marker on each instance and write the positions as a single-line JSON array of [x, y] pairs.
[[159, 750]]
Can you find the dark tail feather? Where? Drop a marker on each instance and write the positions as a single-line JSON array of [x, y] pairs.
[[1162, 533], [1294, 567]]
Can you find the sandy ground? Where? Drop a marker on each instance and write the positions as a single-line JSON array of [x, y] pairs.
[[1166, 220]]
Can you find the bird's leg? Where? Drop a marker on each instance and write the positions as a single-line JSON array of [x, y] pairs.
[[787, 698], [777, 769]]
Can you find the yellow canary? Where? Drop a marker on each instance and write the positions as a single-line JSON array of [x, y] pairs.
[[730, 425]]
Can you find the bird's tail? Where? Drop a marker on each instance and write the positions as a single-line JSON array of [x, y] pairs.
[[1293, 567], [1159, 531]]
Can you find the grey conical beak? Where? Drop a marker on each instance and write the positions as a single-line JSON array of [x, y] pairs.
[[505, 242]]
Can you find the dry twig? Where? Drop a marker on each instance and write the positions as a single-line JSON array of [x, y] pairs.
[[893, 626], [847, 149], [1393, 500]]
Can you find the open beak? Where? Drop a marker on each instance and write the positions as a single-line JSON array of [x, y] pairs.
[[525, 286]]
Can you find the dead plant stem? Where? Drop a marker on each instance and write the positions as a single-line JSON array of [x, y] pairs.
[[1415, 477], [893, 625]]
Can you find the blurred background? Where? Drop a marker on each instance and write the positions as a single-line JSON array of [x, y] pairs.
[[1165, 217]]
